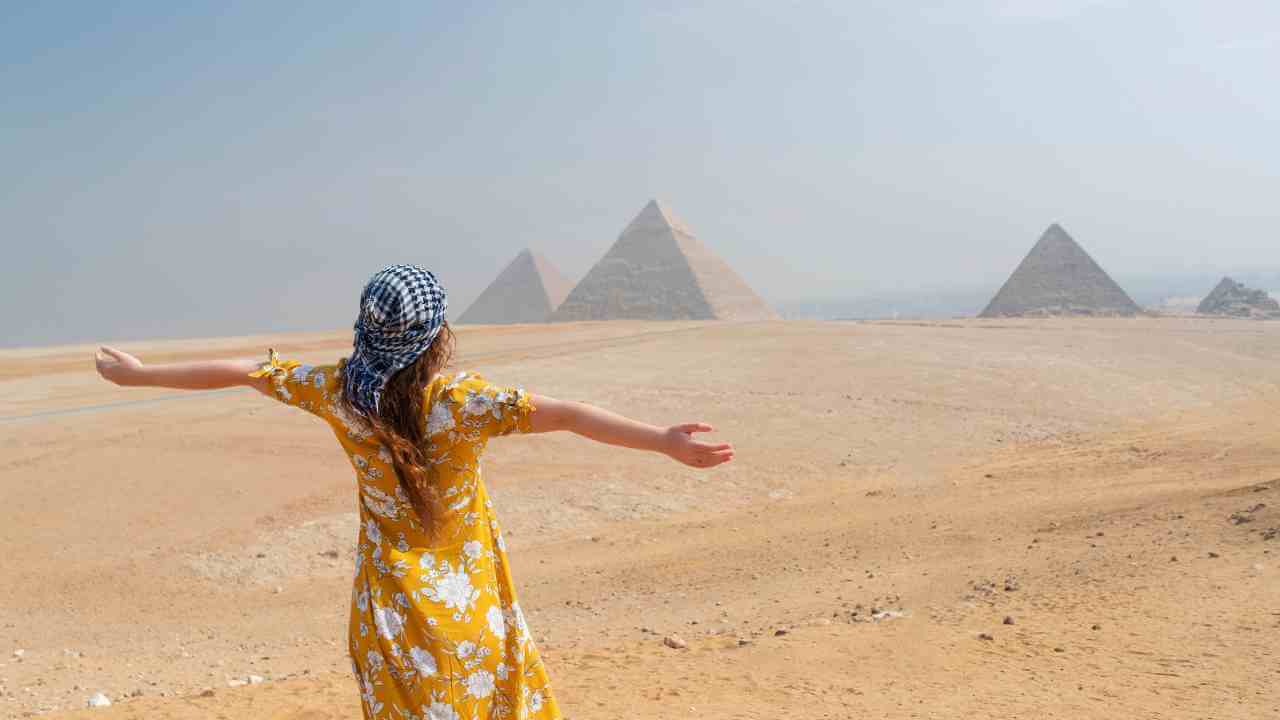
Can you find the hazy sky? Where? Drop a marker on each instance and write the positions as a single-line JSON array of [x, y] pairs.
[[243, 167]]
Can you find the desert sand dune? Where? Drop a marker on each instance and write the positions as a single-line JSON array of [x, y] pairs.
[[1110, 488]]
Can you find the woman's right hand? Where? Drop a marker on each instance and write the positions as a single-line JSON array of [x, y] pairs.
[[117, 367], [683, 447]]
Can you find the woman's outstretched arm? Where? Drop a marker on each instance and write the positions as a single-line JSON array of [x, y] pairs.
[[122, 368], [676, 441]]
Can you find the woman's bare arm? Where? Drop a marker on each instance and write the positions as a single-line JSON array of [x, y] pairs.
[[591, 422], [124, 369]]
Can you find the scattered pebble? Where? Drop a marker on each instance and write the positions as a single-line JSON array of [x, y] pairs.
[[1214, 555], [1011, 583], [331, 554], [675, 642], [256, 679], [98, 700], [207, 692], [986, 636], [1059, 649], [743, 641], [878, 615], [1096, 627], [19, 653], [780, 632], [1008, 620]]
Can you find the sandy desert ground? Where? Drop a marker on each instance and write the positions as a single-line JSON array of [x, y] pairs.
[[1012, 519]]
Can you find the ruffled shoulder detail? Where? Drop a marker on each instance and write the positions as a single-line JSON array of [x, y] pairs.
[[274, 367]]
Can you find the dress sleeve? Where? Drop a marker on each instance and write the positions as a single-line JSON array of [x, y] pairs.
[[293, 383], [490, 410]]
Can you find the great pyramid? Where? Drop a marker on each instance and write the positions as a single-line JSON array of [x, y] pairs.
[[1234, 299], [658, 270], [527, 291], [1059, 278]]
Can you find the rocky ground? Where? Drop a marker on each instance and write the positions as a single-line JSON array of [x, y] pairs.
[[1050, 519]]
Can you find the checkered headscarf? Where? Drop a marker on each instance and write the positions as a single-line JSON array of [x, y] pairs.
[[402, 310]]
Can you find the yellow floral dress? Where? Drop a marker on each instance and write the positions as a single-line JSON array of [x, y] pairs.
[[436, 632]]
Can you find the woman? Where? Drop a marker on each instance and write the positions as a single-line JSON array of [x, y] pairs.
[[436, 631]]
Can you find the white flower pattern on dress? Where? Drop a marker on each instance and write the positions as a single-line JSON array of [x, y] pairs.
[[442, 592], [480, 684], [440, 711], [439, 420], [497, 623], [478, 404], [389, 623], [454, 590], [423, 661]]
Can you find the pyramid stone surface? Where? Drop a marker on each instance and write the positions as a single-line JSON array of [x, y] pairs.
[[1059, 278], [658, 270], [1234, 299], [527, 291]]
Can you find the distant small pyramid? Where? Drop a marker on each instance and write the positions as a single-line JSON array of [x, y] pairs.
[[527, 291], [1234, 299], [1059, 278], [658, 270]]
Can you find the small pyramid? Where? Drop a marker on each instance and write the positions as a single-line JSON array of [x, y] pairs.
[[658, 270], [527, 291], [1059, 278], [1234, 299]]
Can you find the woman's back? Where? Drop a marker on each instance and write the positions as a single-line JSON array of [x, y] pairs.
[[463, 412], [450, 579]]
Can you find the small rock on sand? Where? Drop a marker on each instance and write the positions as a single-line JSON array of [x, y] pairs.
[[986, 636], [675, 642], [1008, 620], [98, 700]]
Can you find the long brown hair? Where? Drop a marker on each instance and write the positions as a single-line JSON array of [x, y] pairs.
[[401, 421]]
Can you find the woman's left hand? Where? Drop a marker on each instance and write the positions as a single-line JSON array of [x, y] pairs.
[[116, 366]]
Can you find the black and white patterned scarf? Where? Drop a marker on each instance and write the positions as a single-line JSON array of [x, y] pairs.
[[402, 310]]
